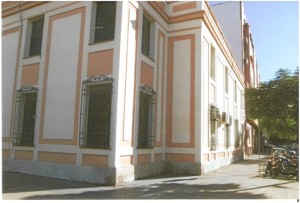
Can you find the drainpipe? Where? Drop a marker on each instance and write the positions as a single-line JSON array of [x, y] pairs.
[[18, 61], [21, 20]]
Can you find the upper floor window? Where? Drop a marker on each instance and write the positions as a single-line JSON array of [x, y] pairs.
[[212, 62], [148, 37], [95, 116], [34, 36], [103, 21], [146, 117], [235, 91], [226, 80], [25, 114]]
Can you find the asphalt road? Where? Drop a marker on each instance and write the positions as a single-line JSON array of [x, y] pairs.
[[240, 180]]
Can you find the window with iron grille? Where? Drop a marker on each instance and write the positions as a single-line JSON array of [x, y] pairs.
[[36, 36], [146, 117], [104, 28], [213, 135], [95, 117], [237, 136], [214, 121], [25, 114], [227, 137]]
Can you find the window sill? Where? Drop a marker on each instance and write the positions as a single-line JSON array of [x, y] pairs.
[[100, 42], [95, 148], [24, 146], [28, 57], [141, 148], [148, 57]]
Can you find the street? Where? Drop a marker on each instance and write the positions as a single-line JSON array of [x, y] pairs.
[[240, 180]]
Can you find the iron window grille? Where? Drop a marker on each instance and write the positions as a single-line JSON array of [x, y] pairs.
[[237, 136], [105, 21], [146, 117], [25, 115], [146, 36], [228, 132], [36, 37], [95, 115], [215, 117]]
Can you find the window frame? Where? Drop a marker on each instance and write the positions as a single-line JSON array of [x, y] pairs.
[[228, 133], [94, 38], [148, 140], [226, 80], [86, 140], [237, 133], [22, 114], [212, 68], [150, 52], [29, 51], [215, 117]]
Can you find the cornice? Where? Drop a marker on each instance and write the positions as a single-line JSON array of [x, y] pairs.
[[206, 15], [10, 8]]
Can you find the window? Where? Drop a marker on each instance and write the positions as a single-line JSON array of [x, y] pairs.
[[235, 91], [212, 93], [212, 62], [148, 37], [34, 36], [146, 117], [226, 80], [25, 114], [103, 22], [95, 114], [237, 136], [228, 133], [215, 117]]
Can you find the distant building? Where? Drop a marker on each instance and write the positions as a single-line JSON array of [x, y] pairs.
[[232, 19], [109, 92]]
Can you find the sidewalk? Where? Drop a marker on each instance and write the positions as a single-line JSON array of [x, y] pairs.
[[240, 180]]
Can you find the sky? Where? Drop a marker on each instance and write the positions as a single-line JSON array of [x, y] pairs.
[[275, 32]]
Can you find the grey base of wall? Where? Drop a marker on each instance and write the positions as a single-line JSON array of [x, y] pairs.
[[111, 176], [90, 174]]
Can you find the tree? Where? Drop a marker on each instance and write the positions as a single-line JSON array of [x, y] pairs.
[[275, 105]]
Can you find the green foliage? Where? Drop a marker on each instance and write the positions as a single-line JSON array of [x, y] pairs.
[[275, 105]]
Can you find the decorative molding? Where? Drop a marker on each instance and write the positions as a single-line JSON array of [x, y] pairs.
[[148, 89], [27, 89], [98, 79]]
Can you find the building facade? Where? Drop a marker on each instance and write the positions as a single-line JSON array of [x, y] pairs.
[[232, 19], [110, 92]]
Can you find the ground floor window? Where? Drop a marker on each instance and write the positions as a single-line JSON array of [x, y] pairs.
[[214, 122], [227, 137], [146, 117], [237, 134], [95, 117], [25, 114]]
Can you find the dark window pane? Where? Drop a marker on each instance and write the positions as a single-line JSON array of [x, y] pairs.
[[145, 131], [98, 112], [25, 119], [146, 37], [105, 21], [36, 37], [29, 120]]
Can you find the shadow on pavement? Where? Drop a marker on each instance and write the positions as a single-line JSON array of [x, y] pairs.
[[163, 191], [17, 182]]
